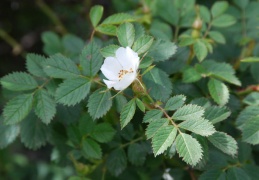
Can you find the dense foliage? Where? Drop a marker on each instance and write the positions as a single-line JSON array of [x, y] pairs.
[[192, 112]]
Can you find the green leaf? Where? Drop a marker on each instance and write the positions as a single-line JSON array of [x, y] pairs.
[[188, 112], [116, 162], [250, 131], [155, 126], [163, 138], [102, 132], [52, 43], [188, 148], [217, 37], [72, 43], [126, 34], [219, 8], [8, 133], [90, 59], [158, 84], [146, 62], [191, 75], [202, 101], [246, 114], [237, 174], [200, 50], [107, 29], [205, 155], [59, 66], [128, 132], [175, 102], [17, 108], [96, 13], [109, 51], [142, 44], [161, 30], [86, 124], [250, 59], [168, 11], [34, 134], [140, 105], [34, 64], [72, 91], [19, 81], [252, 171], [224, 20], [218, 91], [186, 41], [120, 102], [222, 71], [254, 71], [252, 99], [199, 126], [136, 154], [162, 50], [216, 114], [91, 149], [127, 112], [99, 103], [241, 3], [224, 142], [205, 13], [152, 115], [68, 115], [118, 18], [213, 174], [74, 134], [45, 107], [139, 30]]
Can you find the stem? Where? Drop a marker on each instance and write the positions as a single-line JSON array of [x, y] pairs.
[[248, 90], [17, 48], [190, 170], [207, 30], [131, 142], [103, 173], [191, 55], [53, 17], [177, 29], [92, 35], [168, 117]]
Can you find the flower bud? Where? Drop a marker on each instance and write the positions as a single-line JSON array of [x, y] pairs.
[[197, 24]]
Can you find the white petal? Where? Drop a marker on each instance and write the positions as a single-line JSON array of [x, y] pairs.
[[125, 81], [109, 84], [127, 58], [111, 68]]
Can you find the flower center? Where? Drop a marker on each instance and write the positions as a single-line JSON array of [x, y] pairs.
[[123, 72]]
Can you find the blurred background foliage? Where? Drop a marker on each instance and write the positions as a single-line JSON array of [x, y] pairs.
[[22, 23]]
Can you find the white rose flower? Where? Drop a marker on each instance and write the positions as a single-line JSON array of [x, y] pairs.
[[120, 70]]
